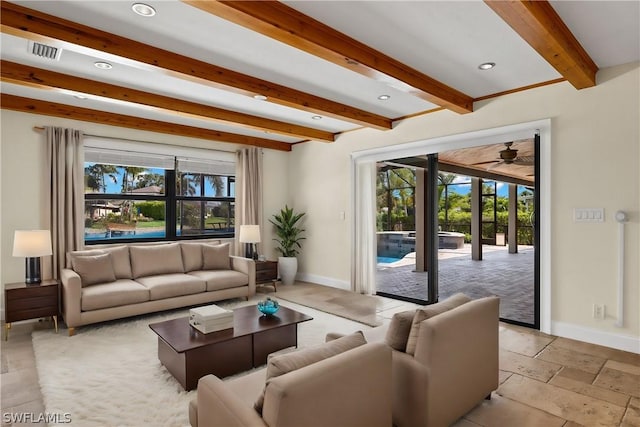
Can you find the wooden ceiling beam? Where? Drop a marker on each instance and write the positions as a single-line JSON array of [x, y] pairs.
[[285, 24], [539, 24], [46, 108], [12, 72], [31, 24]]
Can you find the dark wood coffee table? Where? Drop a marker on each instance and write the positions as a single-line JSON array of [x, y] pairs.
[[189, 354]]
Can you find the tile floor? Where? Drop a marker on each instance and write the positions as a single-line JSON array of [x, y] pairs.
[[544, 380]]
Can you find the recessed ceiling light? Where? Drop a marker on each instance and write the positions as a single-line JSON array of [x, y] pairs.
[[316, 117], [260, 97], [103, 65], [487, 65], [143, 9], [80, 96], [384, 97]]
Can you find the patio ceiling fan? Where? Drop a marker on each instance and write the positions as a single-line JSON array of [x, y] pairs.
[[509, 156]]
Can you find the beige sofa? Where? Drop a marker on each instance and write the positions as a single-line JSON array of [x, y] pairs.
[[445, 359], [120, 281], [349, 389]]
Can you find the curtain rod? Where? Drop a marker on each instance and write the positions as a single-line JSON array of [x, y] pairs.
[[41, 129]]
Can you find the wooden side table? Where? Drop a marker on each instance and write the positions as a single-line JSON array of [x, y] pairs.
[[23, 302], [267, 273]]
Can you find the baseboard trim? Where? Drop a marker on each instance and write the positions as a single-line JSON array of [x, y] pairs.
[[326, 281], [594, 336]]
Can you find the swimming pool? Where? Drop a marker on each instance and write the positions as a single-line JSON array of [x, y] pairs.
[[128, 235], [387, 259]]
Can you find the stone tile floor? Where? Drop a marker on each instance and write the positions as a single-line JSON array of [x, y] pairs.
[[544, 380], [509, 276]]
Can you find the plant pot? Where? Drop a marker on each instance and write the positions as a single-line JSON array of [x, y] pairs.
[[288, 267]]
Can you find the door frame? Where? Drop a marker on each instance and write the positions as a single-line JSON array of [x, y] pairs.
[[479, 138]]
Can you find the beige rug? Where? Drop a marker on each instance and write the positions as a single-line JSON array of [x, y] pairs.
[[361, 308], [109, 374]]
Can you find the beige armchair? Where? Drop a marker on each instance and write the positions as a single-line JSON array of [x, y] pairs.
[[454, 367], [350, 389]]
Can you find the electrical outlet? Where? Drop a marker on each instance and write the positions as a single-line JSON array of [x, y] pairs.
[[598, 311]]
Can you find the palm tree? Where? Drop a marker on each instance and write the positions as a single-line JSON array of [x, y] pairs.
[[96, 174], [444, 179], [217, 183], [130, 173]]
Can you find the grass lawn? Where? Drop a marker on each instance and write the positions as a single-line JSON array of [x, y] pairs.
[[150, 224]]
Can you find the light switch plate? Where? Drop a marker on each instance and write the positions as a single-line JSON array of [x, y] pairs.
[[588, 214]]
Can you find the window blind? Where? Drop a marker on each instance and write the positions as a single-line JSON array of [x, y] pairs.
[[208, 167], [128, 158]]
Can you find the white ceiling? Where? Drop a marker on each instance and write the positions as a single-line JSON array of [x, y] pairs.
[[445, 40]]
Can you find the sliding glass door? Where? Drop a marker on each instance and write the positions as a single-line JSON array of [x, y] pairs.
[[444, 227]]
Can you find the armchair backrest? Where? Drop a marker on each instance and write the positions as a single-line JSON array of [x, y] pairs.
[[350, 389]]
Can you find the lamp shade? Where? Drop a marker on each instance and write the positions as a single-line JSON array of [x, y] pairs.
[[249, 234], [32, 243]]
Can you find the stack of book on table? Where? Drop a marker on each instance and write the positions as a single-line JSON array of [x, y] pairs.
[[210, 318]]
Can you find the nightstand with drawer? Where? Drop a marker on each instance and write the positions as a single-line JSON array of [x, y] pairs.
[[267, 273], [23, 302]]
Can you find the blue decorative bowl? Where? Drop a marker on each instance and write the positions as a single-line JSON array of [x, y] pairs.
[[268, 307]]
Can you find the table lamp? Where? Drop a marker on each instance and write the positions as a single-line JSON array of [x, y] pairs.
[[32, 244], [250, 235]]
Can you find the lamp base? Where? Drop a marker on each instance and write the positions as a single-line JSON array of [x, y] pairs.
[[251, 251], [32, 271]]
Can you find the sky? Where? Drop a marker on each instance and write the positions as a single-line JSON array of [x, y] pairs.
[[503, 188], [116, 187]]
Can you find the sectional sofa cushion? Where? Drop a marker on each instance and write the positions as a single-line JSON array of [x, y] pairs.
[[281, 364], [94, 269], [119, 257], [216, 257], [399, 328], [221, 279], [156, 259], [172, 285], [430, 311], [114, 294]]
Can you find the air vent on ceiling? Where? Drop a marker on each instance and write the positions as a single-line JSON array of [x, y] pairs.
[[44, 51]]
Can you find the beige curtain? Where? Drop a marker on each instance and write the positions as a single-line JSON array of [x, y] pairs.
[[363, 262], [248, 192], [64, 193]]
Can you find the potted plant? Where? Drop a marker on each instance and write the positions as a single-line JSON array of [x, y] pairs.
[[288, 237]]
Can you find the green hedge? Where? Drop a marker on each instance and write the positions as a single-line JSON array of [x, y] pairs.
[[152, 209]]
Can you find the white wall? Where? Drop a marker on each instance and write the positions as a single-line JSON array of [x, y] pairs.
[[595, 162], [21, 188]]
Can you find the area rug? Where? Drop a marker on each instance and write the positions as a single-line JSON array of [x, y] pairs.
[[109, 374], [361, 308]]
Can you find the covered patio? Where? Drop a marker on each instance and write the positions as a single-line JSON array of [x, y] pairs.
[[509, 276]]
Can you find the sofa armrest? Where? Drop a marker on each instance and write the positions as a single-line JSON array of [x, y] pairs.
[[218, 406], [71, 297], [350, 389], [248, 267], [460, 348]]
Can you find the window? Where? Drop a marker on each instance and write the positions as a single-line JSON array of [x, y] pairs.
[[137, 196]]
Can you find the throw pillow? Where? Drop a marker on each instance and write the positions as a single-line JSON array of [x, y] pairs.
[[431, 311], [121, 262], [191, 256], [399, 329], [94, 269], [216, 257], [280, 365]]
